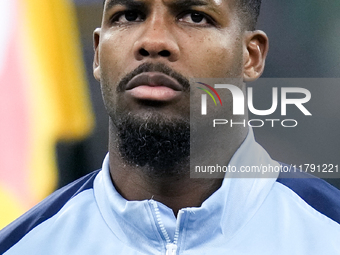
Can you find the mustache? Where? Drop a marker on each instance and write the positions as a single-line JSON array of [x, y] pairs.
[[150, 67]]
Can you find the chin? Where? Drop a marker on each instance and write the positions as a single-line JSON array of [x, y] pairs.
[[156, 143]]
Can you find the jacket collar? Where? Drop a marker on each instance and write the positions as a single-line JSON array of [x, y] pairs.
[[224, 213]]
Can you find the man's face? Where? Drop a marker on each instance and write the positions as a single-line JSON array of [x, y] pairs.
[[191, 38], [145, 53]]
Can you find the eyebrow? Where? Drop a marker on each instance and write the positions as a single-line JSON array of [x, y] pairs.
[[187, 3], [129, 3]]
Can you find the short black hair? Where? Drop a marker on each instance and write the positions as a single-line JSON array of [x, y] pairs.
[[249, 11]]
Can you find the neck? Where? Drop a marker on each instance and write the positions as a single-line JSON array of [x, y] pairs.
[[177, 191]]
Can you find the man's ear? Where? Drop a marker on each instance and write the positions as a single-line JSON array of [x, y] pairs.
[[96, 66], [255, 53]]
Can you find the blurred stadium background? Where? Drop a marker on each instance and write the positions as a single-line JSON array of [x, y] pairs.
[[51, 135]]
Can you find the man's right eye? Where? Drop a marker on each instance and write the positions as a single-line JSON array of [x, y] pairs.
[[128, 16]]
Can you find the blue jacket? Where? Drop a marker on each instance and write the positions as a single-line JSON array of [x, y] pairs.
[[245, 216]]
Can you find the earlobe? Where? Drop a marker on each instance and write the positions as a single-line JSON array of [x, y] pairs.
[[96, 65], [255, 53]]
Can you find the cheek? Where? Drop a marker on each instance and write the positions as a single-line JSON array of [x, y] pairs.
[[215, 57], [114, 55]]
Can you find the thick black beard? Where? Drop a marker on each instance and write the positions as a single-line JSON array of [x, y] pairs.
[[159, 146]]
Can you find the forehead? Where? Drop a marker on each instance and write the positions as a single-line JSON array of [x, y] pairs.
[[216, 4]]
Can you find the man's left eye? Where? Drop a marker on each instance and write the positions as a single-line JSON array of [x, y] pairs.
[[194, 18]]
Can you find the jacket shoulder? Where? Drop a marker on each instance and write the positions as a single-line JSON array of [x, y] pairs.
[[316, 192], [12, 234]]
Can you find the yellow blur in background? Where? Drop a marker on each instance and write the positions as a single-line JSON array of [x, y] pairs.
[[43, 98]]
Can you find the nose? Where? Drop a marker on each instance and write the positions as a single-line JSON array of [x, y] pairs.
[[156, 41]]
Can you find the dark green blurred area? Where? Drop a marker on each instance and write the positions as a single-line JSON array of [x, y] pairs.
[[304, 43]]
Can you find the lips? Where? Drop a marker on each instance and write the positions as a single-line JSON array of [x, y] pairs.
[[154, 86], [154, 79]]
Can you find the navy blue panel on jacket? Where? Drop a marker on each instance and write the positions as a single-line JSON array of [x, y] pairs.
[[316, 192]]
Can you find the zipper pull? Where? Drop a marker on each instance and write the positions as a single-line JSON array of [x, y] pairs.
[[171, 249]]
